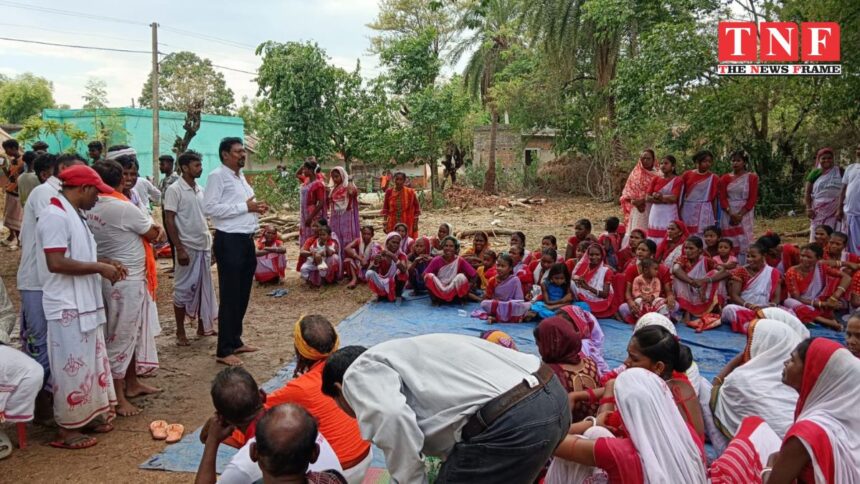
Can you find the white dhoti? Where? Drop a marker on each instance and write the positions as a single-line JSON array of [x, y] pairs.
[[132, 324], [851, 226], [20, 380], [83, 388], [194, 291]]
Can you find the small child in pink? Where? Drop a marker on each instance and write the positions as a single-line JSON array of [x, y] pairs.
[[724, 258], [646, 289]]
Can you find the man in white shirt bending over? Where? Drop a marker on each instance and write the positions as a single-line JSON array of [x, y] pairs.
[[849, 204], [229, 201], [493, 414]]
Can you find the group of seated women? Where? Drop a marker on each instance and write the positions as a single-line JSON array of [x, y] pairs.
[[779, 412]]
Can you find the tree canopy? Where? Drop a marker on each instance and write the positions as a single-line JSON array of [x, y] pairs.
[[24, 96]]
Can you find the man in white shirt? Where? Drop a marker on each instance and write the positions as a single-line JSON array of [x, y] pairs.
[[229, 201], [238, 403], [193, 292], [493, 414], [123, 233], [74, 306], [32, 270], [849, 204]]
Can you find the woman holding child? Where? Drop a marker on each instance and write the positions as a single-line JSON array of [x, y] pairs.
[[591, 282]]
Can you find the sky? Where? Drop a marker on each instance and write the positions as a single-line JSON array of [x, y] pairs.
[[338, 26]]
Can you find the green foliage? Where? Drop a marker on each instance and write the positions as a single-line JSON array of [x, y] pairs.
[[412, 62], [187, 82], [250, 112], [277, 191], [24, 96], [95, 94], [399, 19], [36, 128]]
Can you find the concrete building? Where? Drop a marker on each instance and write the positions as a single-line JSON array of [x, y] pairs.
[[513, 147]]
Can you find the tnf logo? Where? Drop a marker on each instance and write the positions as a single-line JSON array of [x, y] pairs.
[[779, 41]]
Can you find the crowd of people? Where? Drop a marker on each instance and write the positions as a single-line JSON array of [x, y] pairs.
[[469, 408]]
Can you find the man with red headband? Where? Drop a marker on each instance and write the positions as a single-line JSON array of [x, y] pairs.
[[74, 307], [123, 233]]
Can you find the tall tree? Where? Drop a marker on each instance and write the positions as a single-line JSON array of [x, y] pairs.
[[399, 19], [188, 84], [24, 96], [95, 94], [494, 27]]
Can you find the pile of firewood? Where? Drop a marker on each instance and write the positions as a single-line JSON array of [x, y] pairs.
[[288, 225]]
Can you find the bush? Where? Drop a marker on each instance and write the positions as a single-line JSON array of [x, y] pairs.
[[278, 192]]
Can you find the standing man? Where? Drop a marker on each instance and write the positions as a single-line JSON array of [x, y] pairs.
[[229, 201], [94, 150], [849, 204], [12, 168], [193, 292], [169, 177], [33, 272], [29, 179], [492, 414], [123, 233], [74, 307]]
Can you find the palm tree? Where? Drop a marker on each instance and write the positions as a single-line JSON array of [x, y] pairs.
[[492, 27]]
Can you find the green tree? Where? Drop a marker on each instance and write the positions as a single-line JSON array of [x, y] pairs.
[[250, 112], [95, 94], [25, 96], [402, 19], [188, 84]]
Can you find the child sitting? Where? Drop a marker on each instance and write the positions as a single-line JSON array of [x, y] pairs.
[[475, 254], [321, 262], [503, 299], [358, 255], [724, 258], [271, 257], [611, 241], [405, 240], [548, 242], [711, 236], [388, 272], [555, 293], [418, 260], [581, 233], [539, 271], [487, 270], [646, 289]]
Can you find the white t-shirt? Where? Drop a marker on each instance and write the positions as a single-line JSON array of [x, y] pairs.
[[147, 191], [242, 470], [33, 270], [117, 226], [851, 179], [187, 203]]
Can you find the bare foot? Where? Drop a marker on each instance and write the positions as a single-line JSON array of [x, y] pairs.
[[246, 349], [140, 389], [229, 360], [182, 340], [126, 409], [351, 285], [200, 332]]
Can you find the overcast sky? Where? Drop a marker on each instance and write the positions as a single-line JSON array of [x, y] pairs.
[[338, 26]]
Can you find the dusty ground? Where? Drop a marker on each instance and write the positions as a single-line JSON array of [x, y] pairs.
[[185, 373]]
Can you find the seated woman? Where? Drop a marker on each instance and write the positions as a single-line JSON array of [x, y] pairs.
[[518, 239], [487, 269], [823, 444], [628, 254], [547, 242], [500, 338], [538, 271], [751, 383], [814, 289], [503, 300], [448, 275], [657, 445], [560, 347], [388, 272], [445, 229], [822, 235], [836, 256], [319, 261], [271, 257], [630, 310], [591, 283], [581, 233], [695, 285], [591, 333], [405, 240], [555, 293], [671, 248], [418, 260], [475, 254], [750, 288], [778, 255], [359, 254], [711, 236]]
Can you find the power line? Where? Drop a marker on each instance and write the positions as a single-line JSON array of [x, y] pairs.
[[79, 33], [208, 37], [88, 47], [69, 13], [235, 70]]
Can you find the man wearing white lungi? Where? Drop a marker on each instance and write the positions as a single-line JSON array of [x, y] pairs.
[[123, 233], [74, 306], [849, 204], [193, 292]]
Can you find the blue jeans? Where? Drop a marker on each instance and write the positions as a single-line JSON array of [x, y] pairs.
[[516, 447]]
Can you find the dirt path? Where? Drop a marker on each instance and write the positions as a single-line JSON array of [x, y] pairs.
[[185, 373]]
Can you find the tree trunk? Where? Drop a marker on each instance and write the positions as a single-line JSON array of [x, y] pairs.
[[490, 176], [191, 126], [434, 176]]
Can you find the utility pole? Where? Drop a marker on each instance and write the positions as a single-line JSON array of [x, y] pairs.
[[155, 106]]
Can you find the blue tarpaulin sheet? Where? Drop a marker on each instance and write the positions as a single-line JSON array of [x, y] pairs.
[[377, 322]]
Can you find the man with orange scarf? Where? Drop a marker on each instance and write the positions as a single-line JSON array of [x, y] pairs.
[[124, 233], [401, 206]]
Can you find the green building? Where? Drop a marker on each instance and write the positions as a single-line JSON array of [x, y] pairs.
[[134, 127]]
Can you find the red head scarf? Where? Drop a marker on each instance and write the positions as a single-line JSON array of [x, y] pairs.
[[583, 269], [817, 356], [580, 319], [667, 246], [558, 344]]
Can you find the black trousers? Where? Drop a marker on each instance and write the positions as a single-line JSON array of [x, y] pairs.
[[237, 262]]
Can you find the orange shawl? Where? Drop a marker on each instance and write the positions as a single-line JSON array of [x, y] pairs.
[[401, 208], [151, 274]]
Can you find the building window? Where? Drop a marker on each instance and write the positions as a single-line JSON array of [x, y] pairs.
[[532, 155]]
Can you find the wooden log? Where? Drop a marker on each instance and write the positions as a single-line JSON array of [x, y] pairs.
[[290, 236], [492, 232]]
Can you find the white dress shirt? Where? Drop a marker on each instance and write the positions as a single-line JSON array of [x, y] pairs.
[[147, 191], [33, 269], [412, 396], [225, 201]]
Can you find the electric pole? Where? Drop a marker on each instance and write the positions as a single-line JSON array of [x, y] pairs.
[[155, 106]]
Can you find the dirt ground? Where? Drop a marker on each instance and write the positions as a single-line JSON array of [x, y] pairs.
[[185, 373]]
